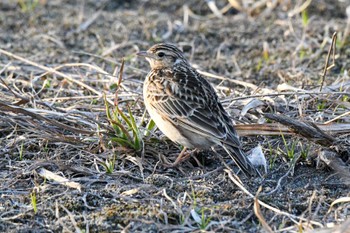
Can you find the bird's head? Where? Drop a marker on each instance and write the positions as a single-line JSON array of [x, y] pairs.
[[163, 55]]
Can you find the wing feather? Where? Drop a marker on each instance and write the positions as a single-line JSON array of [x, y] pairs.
[[194, 105]]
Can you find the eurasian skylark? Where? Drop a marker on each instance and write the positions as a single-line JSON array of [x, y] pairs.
[[186, 108]]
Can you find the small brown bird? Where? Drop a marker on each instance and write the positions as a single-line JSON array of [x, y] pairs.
[[186, 108]]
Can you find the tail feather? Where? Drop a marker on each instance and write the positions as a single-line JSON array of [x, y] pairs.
[[242, 161]]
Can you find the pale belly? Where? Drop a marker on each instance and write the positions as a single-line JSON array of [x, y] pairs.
[[176, 133], [166, 127]]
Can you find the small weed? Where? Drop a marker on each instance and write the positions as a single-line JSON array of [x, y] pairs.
[[321, 106], [33, 201], [259, 65], [273, 156], [182, 219], [46, 147], [266, 55], [47, 83], [193, 194], [126, 132], [345, 98], [290, 149], [113, 87], [149, 127], [94, 102], [28, 5], [21, 152], [204, 220], [305, 17], [302, 53], [304, 151], [109, 165]]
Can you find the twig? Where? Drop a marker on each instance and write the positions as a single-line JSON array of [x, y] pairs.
[[290, 93], [326, 67], [306, 129], [245, 84], [299, 9], [59, 179], [71, 217], [258, 213], [51, 70], [291, 216], [15, 109], [277, 129], [338, 117]]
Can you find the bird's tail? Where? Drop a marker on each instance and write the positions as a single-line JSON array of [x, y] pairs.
[[242, 161]]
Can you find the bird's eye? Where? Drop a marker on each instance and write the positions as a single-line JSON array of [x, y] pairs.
[[161, 54]]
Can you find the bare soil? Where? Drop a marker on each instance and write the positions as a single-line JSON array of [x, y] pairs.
[[54, 117]]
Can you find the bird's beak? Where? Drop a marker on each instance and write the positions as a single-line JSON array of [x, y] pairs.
[[147, 54]]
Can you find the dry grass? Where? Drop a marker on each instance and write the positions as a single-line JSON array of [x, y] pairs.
[[61, 169]]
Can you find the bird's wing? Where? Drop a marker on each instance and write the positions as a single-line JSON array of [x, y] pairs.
[[189, 101]]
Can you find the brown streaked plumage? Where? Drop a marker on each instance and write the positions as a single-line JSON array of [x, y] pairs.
[[185, 107]]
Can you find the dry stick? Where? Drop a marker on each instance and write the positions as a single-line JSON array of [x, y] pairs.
[[312, 132], [109, 60], [246, 84], [338, 117], [326, 67], [306, 129], [25, 99], [299, 9], [188, 12], [72, 219], [277, 129], [75, 97], [291, 216], [96, 68], [258, 213], [340, 228], [289, 93], [59, 179], [15, 109], [254, 87], [236, 4], [51, 70], [120, 78]]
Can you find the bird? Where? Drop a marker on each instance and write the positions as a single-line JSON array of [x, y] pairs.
[[186, 108]]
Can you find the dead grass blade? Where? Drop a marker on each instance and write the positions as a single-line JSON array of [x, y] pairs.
[[300, 8], [276, 129], [50, 70], [277, 211], [212, 6], [72, 219], [258, 213], [342, 228], [337, 201], [59, 179], [235, 4], [306, 129], [120, 78], [326, 67], [338, 117], [19, 110]]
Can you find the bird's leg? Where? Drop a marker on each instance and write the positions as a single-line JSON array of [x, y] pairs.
[[181, 157]]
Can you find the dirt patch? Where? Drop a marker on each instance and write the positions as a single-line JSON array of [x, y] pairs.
[[56, 119]]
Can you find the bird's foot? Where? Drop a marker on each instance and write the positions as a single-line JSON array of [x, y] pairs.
[[184, 155]]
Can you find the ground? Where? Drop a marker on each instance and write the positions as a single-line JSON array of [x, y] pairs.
[[59, 59]]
